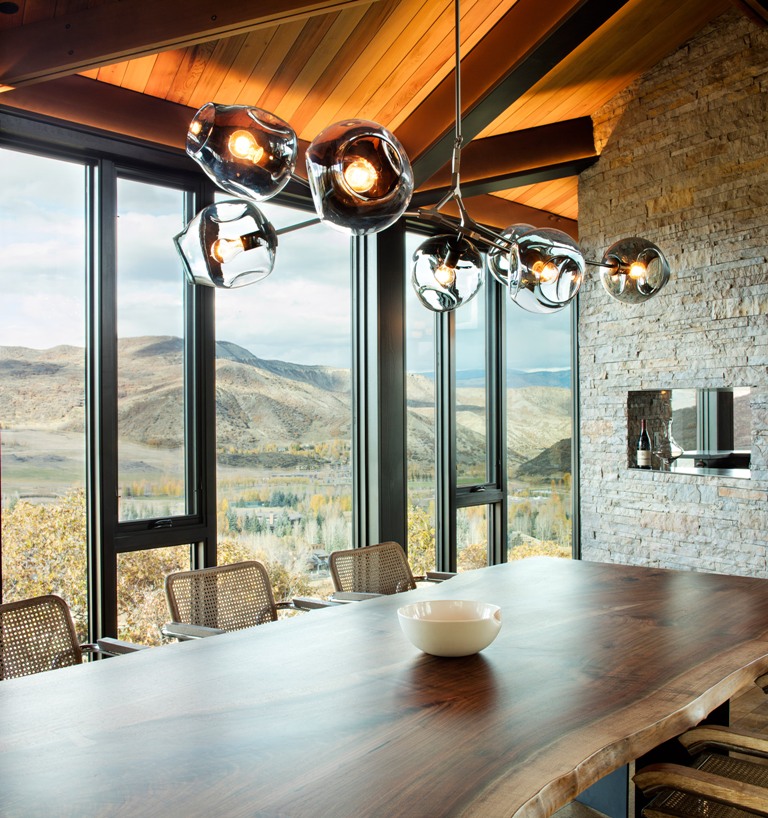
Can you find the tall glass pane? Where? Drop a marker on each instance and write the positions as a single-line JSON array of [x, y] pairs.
[[42, 380], [471, 384], [539, 432], [284, 409], [471, 537], [141, 606], [150, 369], [420, 399]]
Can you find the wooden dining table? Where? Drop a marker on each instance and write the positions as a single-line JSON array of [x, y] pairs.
[[334, 713]]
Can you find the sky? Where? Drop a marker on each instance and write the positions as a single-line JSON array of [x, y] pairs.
[[300, 313]]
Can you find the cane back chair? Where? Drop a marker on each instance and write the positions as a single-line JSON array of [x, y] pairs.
[[718, 784], [375, 569], [220, 599], [38, 634]]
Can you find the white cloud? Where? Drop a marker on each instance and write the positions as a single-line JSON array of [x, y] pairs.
[[300, 313]]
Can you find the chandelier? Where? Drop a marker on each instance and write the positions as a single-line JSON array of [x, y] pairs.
[[361, 182]]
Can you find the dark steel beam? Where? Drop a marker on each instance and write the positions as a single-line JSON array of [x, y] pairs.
[[495, 211], [494, 184], [533, 150], [497, 72]]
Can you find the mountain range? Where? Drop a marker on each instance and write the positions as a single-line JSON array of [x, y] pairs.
[[265, 408]]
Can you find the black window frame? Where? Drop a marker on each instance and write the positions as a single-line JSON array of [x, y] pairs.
[[379, 272]]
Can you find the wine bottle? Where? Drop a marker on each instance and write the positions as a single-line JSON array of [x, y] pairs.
[[643, 448]]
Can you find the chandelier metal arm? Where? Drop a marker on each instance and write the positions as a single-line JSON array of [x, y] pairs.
[[467, 226], [298, 226], [611, 265], [301, 180]]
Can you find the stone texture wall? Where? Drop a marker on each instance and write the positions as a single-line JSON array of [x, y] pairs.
[[685, 164]]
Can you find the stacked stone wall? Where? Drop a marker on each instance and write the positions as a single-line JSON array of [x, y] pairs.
[[685, 164]]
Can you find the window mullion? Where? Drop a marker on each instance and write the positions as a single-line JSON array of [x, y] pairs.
[[445, 441], [101, 415]]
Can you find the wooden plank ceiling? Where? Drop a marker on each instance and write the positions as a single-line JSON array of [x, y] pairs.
[[533, 74]]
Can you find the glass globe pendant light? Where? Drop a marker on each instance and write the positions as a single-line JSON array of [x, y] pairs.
[[228, 244], [447, 272], [246, 151], [634, 270], [498, 254], [360, 176], [546, 269], [362, 182]]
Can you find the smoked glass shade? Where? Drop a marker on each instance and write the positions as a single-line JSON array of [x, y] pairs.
[[635, 270], [447, 271], [246, 151], [498, 256], [229, 244], [360, 176], [546, 270]]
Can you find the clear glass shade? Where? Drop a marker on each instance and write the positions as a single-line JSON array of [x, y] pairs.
[[546, 268], [447, 272], [635, 270], [229, 244], [360, 176], [498, 255], [246, 151]]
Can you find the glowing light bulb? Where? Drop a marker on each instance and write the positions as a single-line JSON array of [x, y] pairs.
[[360, 175], [637, 270], [224, 250], [445, 272], [445, 275], [546, 273], [243, 145]]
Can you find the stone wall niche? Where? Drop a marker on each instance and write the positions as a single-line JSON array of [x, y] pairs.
[[701, 432]]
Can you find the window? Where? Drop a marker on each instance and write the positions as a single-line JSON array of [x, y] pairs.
[[471, 537], [420, 400], [539, 406], [502, 489], [150, 352], [472, 393], [115, 372], [101, 345], [284, 409], [141, 606], [42, 380]]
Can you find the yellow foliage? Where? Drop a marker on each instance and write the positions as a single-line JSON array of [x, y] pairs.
[[316, 502]]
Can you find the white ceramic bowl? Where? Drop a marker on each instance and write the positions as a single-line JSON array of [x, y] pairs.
[[450, 627]]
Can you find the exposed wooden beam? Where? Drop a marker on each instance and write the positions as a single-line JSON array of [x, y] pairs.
[[519, 158], [521, 49], [106, 107], [94, 104], [114, 32], [756, 10]]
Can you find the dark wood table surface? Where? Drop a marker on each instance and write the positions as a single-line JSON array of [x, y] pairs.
[[334, 713]]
